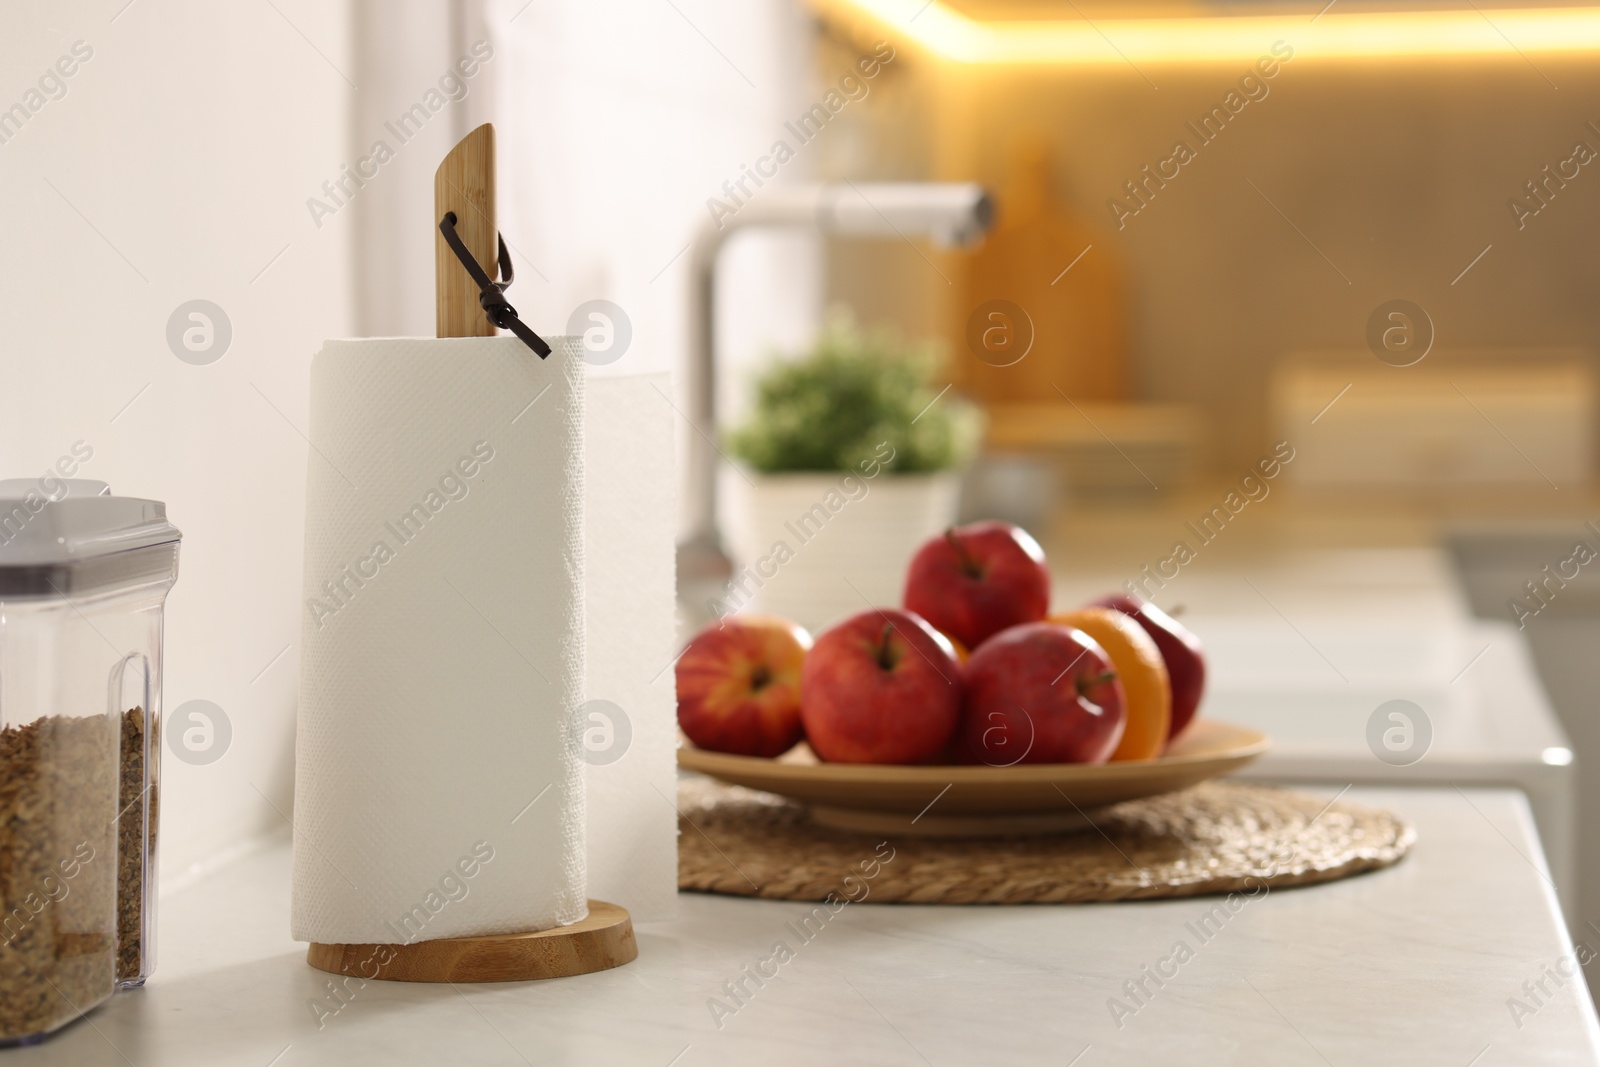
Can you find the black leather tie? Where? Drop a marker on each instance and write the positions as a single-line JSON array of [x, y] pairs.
[[492, 294]]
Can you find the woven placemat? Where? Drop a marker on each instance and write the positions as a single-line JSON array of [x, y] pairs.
[[1217, 837]]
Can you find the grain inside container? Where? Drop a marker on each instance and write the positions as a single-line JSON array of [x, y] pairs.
[[84, 577]]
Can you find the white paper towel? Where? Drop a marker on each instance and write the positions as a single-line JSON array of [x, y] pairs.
[[440, 670], [630, 597]]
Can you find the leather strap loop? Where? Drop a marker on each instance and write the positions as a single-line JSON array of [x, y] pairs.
[[492, 294]]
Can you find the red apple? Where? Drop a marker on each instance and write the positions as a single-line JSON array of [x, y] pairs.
[[1041, 693], [739, 685], [881, 687], [1180, 650], [974, 581]]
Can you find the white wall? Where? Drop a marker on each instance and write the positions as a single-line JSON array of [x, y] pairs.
[[402, 50], [177, 167], [627, 116]]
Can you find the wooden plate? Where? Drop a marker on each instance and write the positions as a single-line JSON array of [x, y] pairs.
[[1030, 798]]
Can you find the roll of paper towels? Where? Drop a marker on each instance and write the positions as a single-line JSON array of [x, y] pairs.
[[629, 722], [438, 792]]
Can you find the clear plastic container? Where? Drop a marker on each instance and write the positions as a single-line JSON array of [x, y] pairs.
[[83, 579]]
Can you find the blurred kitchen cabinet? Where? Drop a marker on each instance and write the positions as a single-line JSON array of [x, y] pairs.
[[1467, 419]]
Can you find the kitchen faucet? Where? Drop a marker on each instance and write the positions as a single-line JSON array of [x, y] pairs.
[[951, 213]]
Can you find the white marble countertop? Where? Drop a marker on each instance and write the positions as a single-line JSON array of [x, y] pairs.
[[1411, 965]]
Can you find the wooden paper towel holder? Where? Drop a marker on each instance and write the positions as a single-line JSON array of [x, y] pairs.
[[464, 185], [603, 940]]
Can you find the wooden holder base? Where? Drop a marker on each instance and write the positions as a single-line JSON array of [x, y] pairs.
[[601, 941]]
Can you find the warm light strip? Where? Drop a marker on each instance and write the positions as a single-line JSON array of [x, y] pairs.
[[1071, 40]]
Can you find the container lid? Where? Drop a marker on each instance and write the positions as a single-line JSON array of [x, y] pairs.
[[47, 529]]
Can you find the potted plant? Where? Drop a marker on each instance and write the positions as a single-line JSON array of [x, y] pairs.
[[850, 458]]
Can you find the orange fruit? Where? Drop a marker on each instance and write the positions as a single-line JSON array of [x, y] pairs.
[[1143, 674]]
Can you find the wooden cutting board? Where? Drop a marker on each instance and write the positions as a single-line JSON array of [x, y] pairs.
[[1069, 280]]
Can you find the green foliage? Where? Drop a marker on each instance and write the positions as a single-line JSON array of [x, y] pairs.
[[829, 409]]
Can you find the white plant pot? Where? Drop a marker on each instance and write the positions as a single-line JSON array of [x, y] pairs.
[[817, 547]]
